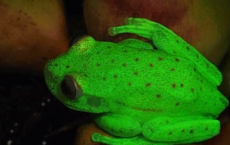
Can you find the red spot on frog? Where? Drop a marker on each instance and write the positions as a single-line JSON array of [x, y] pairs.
[[150, 65], [173, 85], [177, 60], [172, 69], [192, 90], [135, 73], [136, 59], [124, 65], [148, 85], [160, 58], [158, 95]]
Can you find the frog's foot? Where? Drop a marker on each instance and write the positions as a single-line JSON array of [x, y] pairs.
[[138, 140], [181, 131], [166, 40]]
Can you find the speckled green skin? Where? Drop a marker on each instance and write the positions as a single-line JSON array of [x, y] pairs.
[[144, 96]]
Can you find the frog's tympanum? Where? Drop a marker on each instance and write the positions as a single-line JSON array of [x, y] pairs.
[[143, 94]]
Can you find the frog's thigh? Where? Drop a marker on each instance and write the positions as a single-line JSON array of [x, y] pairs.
[[181, 131], [119, 125]]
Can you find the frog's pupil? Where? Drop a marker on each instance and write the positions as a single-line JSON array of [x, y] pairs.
[[69, 88]]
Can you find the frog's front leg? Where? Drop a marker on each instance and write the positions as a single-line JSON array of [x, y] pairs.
[[163, 38], [166, 40], [181, 130]]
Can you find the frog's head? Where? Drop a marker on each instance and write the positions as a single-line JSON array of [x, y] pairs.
[[66, 77]]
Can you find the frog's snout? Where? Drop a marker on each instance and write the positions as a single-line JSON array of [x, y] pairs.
[[224, 101], [48, 73], [70, 88]]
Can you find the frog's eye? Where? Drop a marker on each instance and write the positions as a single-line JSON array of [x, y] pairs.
[[70, 88]]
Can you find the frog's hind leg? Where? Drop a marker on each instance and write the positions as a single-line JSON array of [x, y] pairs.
[[181, 130], [166, 40]]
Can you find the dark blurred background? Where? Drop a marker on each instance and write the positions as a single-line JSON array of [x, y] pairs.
[[29, 114]]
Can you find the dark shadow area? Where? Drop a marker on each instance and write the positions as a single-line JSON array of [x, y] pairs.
[[29, 113]]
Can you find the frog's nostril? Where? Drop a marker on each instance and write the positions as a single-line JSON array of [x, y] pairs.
[[70, 88]]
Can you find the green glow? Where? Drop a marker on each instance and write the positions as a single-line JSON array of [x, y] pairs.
[[144, 96]]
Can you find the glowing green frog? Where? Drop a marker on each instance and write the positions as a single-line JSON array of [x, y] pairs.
[[140, 95]]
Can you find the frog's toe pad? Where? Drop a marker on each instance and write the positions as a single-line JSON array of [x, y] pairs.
[[139, 22], [111, 31], [96, 137], [128, 21]]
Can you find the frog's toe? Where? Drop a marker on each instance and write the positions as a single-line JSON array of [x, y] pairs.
[[133, 25], [139, 22], [111, 31], [129, 21], [139, 26], [138, 30], [97, 137]]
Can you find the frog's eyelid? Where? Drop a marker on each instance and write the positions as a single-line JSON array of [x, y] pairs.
[[75, 38]]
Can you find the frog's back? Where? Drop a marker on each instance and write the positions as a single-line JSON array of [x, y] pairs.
[[154, 80]]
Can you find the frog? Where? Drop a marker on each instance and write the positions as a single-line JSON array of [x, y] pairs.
[[161, 92]]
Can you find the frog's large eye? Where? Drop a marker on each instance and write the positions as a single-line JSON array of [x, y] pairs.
[[70, 88]]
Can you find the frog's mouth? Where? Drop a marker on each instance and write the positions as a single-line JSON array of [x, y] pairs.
[[139, 108], [87, 103]]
